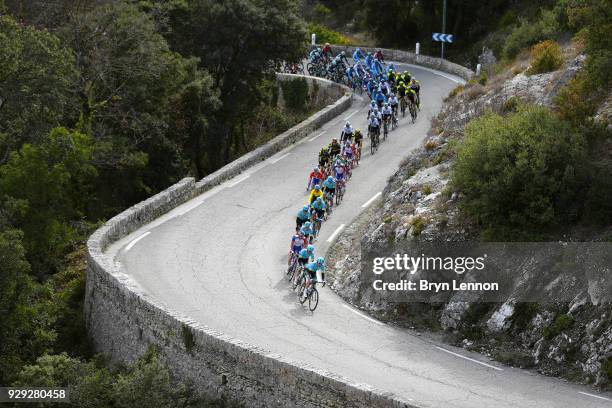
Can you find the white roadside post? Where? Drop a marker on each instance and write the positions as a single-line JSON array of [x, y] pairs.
[[313, 39], [418, 48], [478, 67]]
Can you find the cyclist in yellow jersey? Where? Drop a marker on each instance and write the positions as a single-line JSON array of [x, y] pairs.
[[315, 193]]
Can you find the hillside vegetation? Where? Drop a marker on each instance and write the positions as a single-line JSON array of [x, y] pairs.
[[103, 104], [521, 153]]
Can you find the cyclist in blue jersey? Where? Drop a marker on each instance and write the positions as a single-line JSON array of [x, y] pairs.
[[302, 216]]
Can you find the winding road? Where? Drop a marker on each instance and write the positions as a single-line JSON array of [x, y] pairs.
[[219, 259]]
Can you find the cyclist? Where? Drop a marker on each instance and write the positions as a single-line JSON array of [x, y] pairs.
[[379, 56], [319, 207], [391, 75], [412, 96], [315, 193], [302, 216], [307, 231], [416, 87], [380, 98], [374, 125], [323, 157], [347, 150], [327, 51], [297, 243], [393, 102], [315, 55], [314, 177], [339, 170], [387, 112], [347, 132], [358, 137], [306, 255], [357, 55], [312, 269], [334, 148], [329, 186]]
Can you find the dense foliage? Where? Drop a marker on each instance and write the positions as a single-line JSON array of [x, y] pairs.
[[101, 105], [523, 172]]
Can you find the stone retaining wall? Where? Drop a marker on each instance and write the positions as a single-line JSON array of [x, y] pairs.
[[123, 320]]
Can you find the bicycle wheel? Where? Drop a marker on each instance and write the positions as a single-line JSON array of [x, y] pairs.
[[385, 130], [313, 299], [291, 268], [298, 281], [310, 68], [302, 295]]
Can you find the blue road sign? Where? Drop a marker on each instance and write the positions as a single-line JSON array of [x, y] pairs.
[[442, 37]]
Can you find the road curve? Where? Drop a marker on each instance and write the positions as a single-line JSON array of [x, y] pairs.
[[219, 260]]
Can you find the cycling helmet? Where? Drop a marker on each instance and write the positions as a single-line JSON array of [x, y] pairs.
[[310, 248], [320, 199], [321, 261], [386, 104], [327, 44], [358, 49], [319, 49], [334, 140], [305, 208], [307, 224], [358, 130], [348, 124], [343, 53], [317, 187], [315, 169]]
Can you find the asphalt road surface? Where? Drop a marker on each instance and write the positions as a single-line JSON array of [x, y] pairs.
[[220, 258]]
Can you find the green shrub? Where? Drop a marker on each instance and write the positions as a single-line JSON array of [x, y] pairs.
[[295, 94], [482, 79], [523, 172], [325, 34], [418, 225], [606, 367], [427, 189], [546, 57], [146, 383], [561, 323], [455, 91], [510, 105], [430, 145], [528, 33]]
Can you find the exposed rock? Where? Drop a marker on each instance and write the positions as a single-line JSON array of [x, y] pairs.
[[419, 205]]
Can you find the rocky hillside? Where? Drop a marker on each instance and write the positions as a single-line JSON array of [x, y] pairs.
[[569, 339]]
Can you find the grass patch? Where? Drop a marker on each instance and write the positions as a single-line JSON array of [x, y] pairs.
[[418, 225], [561, 323]]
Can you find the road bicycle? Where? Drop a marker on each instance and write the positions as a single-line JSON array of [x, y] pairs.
[[413, 112], [340, 187], [308, 291], [373, 141], [385, 128], [329, 201]]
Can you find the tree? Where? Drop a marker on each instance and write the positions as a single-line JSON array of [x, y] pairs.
[[239, 42], [36, 84], [129, 81], [55, 180]]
